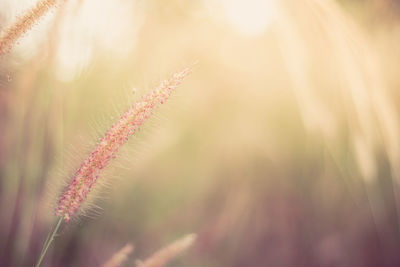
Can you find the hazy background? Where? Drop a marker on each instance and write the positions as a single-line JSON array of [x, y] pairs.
[[282, 148]]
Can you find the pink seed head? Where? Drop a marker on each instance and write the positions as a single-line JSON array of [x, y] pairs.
[[86, 176], [10, 35]]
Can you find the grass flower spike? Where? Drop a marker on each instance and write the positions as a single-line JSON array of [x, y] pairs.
[[24, 23], [120, 257], [88, 173], [166, 254], [86, 176]]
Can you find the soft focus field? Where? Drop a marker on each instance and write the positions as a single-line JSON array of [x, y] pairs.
[[282, 148]]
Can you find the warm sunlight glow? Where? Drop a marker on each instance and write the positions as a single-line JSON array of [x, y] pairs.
[[281, 148], [250, 17]]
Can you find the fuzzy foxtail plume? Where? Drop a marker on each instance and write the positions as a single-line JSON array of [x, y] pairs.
[[10, 35], [88, 173]]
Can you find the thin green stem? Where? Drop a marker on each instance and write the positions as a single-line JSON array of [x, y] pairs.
[[48, 241]]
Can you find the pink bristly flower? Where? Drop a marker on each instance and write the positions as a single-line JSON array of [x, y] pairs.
[[10, 35], [88, 173]]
